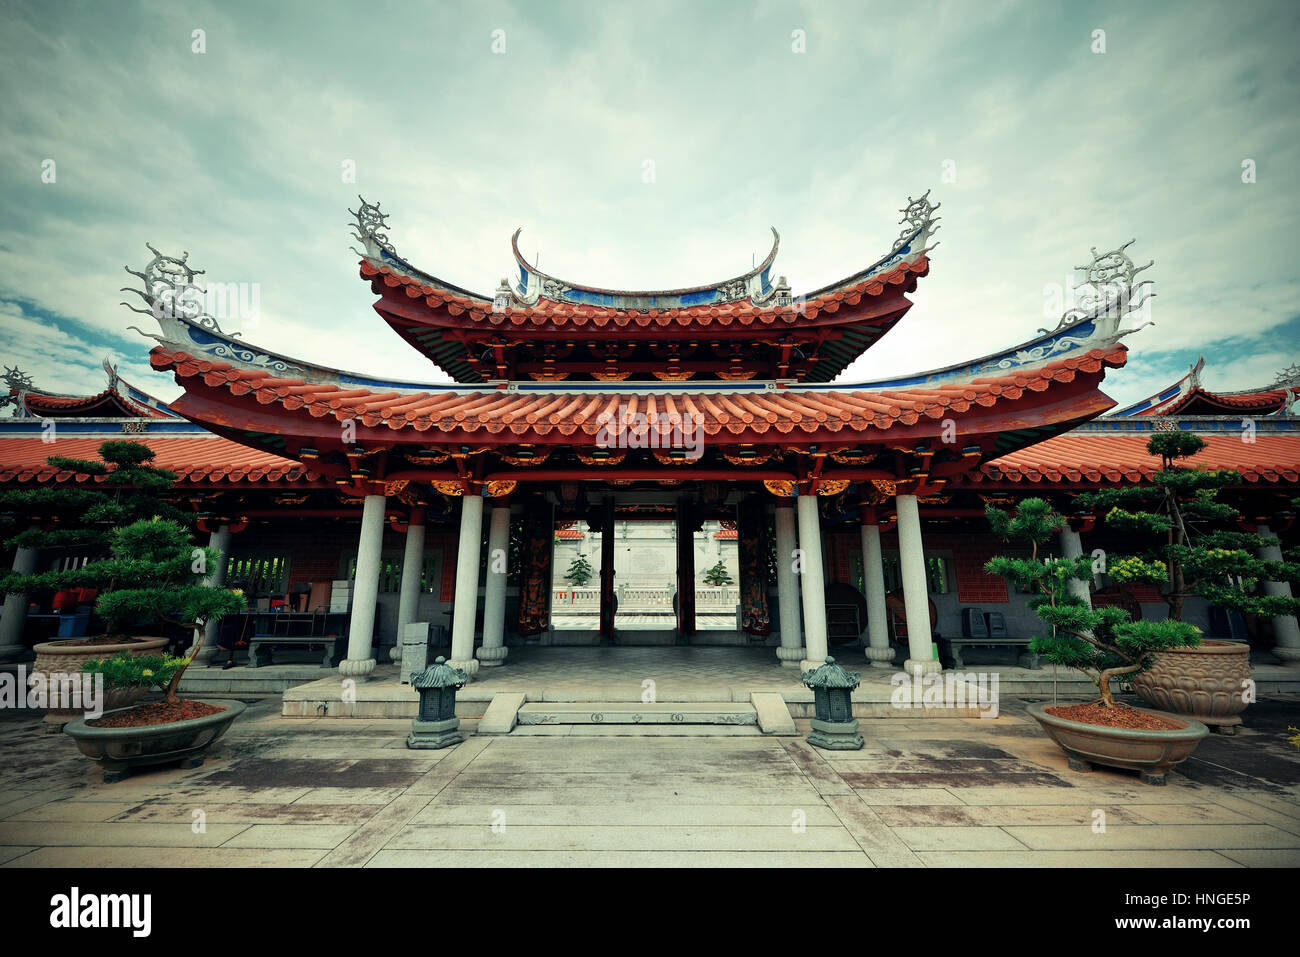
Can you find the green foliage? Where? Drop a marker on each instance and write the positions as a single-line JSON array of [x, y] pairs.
[[1198, 555], [80, 519], [147, 671], [157, 575], [1033, 521], [718, 575], [1104, 643], [579, 573], [1175, 445]]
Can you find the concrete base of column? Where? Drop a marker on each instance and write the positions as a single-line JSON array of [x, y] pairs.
[[925, 666], [492, 657], [790, 657], [12, 653], [470, 667], [880, 657], [1289, 656], [808, 664], [356, 668]]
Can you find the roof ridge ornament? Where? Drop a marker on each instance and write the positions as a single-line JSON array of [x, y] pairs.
[[370, 229], [111, 371], [176, 302], [1111, 292], [169, 292], [19, 384], [919, 216], [1288, 377]]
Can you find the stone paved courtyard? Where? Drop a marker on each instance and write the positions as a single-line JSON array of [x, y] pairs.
[[924, 792]]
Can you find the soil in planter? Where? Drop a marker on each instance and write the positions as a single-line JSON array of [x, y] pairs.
[[1120, 716], [156, 712]]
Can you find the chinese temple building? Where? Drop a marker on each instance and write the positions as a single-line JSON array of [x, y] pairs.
[[854, 512]]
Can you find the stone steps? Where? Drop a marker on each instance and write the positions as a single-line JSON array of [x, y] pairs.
[[670, 713]]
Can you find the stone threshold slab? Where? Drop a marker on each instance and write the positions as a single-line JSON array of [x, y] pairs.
[[638, 713]]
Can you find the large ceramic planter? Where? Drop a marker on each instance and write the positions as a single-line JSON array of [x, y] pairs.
[[121, 750], [1206, 683], [1152, 753], [67, 657]]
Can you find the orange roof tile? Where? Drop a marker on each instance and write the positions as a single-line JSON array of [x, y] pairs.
[[549, 313], [541, 412], [1100, 457], [195, 459]]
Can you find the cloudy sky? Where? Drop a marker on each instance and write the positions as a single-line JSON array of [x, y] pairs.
[[651, 145]]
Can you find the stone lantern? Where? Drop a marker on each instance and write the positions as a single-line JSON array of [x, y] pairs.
[[834, 727], [436, 725]]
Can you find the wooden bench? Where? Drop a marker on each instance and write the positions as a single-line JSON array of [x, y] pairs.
[[954, 648]]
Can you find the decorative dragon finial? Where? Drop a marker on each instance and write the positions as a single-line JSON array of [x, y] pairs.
[[19, 383], [370, 229], [170, 293], [917, 214], [1110, 290], [1290, 376], [111, 371]]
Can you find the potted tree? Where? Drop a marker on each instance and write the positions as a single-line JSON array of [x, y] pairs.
[[77, 524], [718, 575], [157, 575], [1104, 643], [1198, 556], [579, 572]]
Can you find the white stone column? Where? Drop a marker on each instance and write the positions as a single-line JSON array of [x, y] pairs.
[[1285, 629], [14, 618], [493, 651], [916, 597], [360, 660], [790, 653], [1072, 547], [465, 611], [220, 540], [879, 653], [813, 582], [408, 593]]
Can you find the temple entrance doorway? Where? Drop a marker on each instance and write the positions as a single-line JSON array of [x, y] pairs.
[[641, 581]]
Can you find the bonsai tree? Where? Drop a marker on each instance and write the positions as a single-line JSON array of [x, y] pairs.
[[155, 574], [80, 521], [144, 671], [1198, 555], [579, 572], [718, 575], [1103, 643]]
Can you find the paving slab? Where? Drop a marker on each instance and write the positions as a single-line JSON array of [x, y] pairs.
[[46, 833], [782, 837], [1143, 860], [945, 815], [278, 836], [174, 857], [1156, 837], [620, 859], [883, 847], [957, 838], [1264, 857], [736, 815]]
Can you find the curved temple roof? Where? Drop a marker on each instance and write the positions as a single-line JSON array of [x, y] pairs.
[[119, 399], [1188, 397], [533, 283]]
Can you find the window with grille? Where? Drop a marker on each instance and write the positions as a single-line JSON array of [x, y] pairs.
[[258, 574], [938, 580], [390, 573]]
